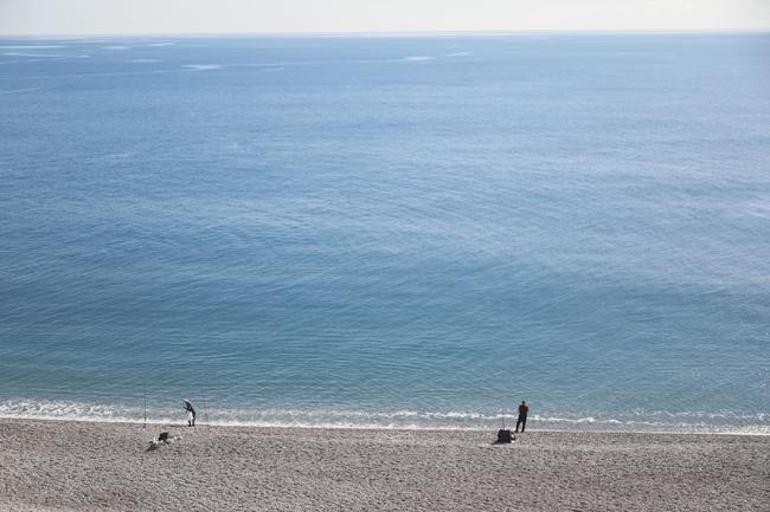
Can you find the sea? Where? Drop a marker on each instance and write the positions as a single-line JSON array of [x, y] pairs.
[[392, 231]]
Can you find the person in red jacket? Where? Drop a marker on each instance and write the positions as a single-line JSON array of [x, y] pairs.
[[523, 410]]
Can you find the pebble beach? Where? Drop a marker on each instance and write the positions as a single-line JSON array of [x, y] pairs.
[[62, 466]]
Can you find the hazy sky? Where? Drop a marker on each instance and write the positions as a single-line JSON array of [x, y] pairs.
[[218, 16]]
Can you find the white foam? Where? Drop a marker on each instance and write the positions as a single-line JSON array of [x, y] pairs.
[[18, 91], [133, 412], [459, 54], [202, 67], [36, 55], [116, 47], [144, 61], [418, 58], [121, 156], [30, 46]]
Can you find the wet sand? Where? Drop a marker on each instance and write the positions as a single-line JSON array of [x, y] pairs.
[[74, 466]]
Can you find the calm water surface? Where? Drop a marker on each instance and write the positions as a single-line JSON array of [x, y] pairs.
[[388, 231]]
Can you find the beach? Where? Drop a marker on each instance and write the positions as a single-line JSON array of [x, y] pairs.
[[355, 256], [88, 466]]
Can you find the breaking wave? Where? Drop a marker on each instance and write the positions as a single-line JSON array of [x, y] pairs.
[[638, 421]]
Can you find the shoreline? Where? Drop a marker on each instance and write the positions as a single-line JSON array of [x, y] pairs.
[[57, 466], [725, 431]]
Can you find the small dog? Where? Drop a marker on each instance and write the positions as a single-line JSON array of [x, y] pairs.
[[163, 438]]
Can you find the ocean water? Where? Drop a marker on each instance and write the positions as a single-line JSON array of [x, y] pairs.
[[388, 231]]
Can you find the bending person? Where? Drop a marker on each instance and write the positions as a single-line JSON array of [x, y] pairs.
[[188, 406]]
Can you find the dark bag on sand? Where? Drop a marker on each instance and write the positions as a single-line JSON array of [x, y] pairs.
[[503, 436]]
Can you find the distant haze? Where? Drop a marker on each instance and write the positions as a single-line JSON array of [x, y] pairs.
[[18, 17]]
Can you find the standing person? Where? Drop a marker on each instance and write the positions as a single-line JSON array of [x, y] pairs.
[[188, 406], [523, 410]]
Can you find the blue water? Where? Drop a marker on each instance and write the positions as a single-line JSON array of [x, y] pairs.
[[397, 231]]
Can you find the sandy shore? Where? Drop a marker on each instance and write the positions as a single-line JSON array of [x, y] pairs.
[[72, 466]]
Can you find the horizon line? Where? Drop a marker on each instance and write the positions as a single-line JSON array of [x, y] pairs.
[[401, 33]]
